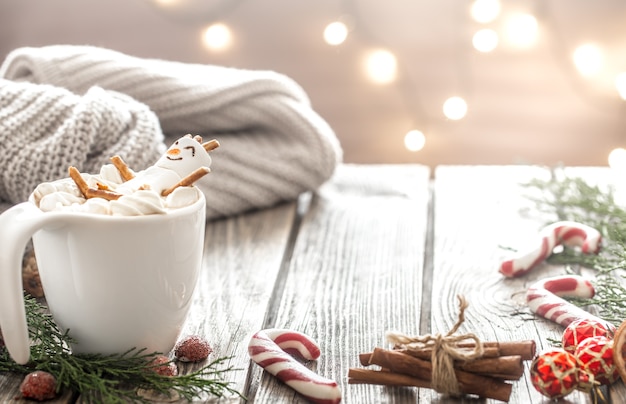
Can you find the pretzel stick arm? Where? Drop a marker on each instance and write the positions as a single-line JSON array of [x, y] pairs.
[[188, 180], [122, 167], [102, 193], [90, 192], [79, 180], [211, 145]]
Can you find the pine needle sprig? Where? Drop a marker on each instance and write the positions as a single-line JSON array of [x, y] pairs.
[[112, 378], [572, 198]]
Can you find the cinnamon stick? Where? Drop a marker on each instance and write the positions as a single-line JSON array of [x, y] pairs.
[[358, 376], [502, 367], [525, 349], [469, 383]]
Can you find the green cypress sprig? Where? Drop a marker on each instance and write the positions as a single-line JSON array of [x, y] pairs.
[[108, 378]]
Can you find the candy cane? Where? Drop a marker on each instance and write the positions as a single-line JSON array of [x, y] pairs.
[[543, 299], [267, 349], [566, 233]]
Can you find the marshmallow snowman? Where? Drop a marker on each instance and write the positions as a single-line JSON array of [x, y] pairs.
[[186, 158], [185, 162]]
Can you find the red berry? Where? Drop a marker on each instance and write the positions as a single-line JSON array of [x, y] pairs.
[[39, 385], [192, 349], [163, 366]]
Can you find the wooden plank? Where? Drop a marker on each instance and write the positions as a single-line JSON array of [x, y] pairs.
[[478, 211], [242, 259], [356, 272]]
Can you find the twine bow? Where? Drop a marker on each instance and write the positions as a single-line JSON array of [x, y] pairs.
[[445, 350]]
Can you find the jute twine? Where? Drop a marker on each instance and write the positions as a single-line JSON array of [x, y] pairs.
[[445, 350]]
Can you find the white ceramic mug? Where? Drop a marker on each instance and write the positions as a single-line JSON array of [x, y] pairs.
[[115, 282]]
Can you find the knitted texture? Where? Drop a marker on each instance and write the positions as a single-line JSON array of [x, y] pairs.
[[45, 129], [274, 146]]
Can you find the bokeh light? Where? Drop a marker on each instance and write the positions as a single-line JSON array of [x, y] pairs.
[[617, 159], [522, 30], [414, 140], [485, 11], [455, 108], [217, 37], [381, 66], [588, 59], [335, 33], [485, 40]]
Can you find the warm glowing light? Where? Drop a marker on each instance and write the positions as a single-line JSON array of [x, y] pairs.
[[485, 11], [588, 59], [620, 84], [455, 108], [522, 30], [414, 140], [381, 66], [217, 37], [617, 159], [335, 33], [485, 40], [166, 3]]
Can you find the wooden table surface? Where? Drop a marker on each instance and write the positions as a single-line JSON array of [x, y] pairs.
[[377, 248]]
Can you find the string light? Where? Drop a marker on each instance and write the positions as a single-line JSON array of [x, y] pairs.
[[381, 66], [414, 140], [217, 37], [522, 30], [335, 33], [485, 11], [455, 108], [485, 40], [588, 59]]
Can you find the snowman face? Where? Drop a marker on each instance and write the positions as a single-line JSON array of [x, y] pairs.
[[185, 156]]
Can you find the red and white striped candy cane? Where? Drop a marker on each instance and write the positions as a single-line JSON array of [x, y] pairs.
[[267, 349], [564, 232], [544, 299]]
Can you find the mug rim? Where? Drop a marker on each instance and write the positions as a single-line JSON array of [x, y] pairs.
[[182, 211]]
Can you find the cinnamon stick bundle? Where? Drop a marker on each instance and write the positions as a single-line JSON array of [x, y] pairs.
[[485, 377], [469, 383]]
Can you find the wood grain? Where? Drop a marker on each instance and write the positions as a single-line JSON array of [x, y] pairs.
[[377, 248], [355, 273]]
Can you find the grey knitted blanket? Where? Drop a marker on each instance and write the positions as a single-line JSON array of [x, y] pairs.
[[78, 105]]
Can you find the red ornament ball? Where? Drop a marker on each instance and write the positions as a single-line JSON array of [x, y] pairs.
[[596, 357], [582, 329], [556, 373], [192, 348], [38, 385]]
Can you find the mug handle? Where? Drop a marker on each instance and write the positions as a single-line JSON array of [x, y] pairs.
[[17, 225]]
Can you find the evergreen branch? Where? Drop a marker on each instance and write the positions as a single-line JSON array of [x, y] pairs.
[[107, 378]]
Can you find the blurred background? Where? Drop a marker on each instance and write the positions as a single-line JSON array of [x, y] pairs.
[[400, 81]]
